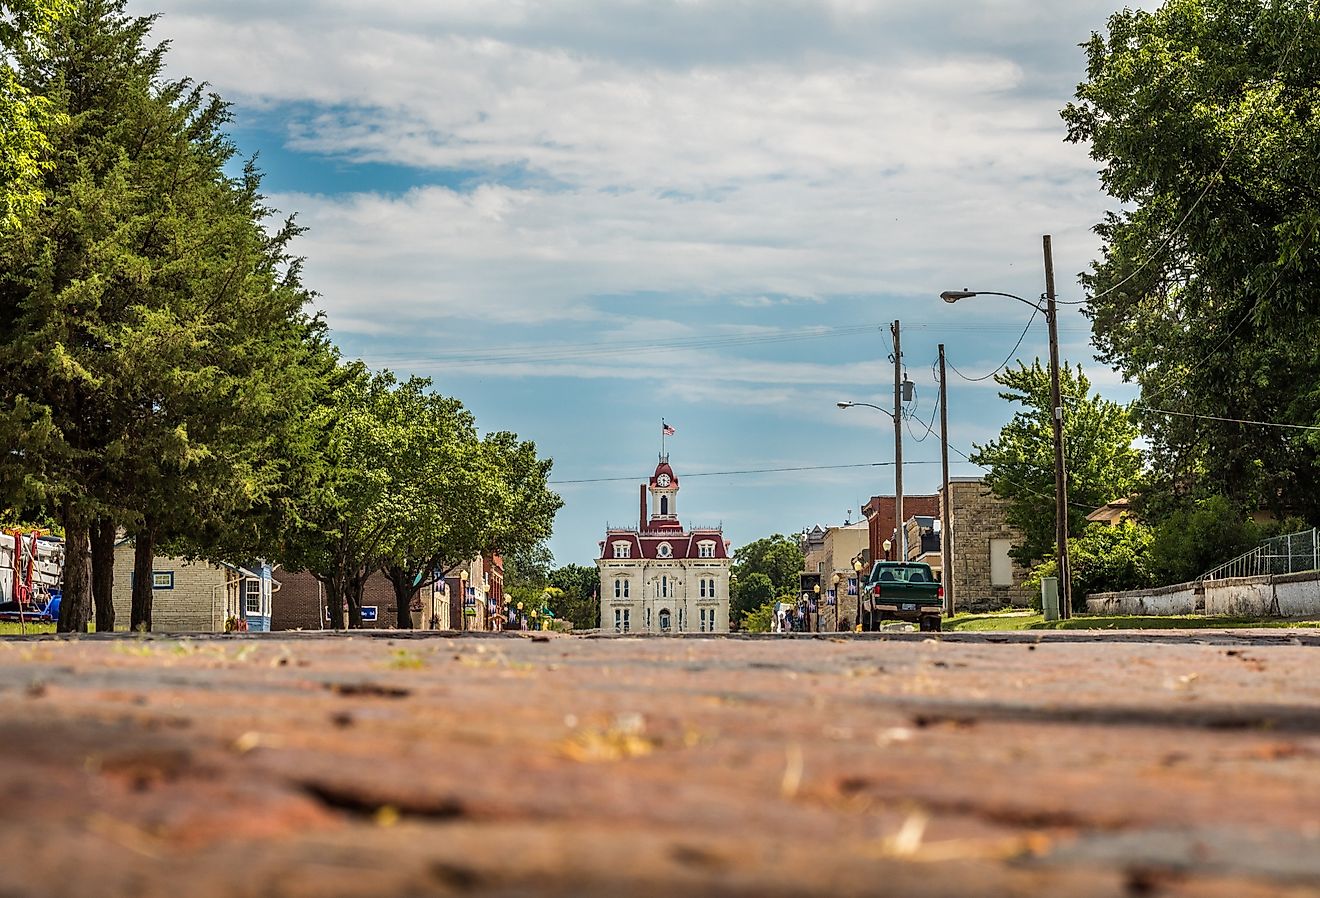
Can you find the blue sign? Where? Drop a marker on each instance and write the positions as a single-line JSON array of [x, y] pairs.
[[368, 612], [852, 586]]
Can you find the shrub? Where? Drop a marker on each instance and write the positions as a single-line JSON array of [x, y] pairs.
[[1191, 541], [1104, 559]]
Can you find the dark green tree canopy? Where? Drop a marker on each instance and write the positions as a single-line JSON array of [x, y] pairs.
[[1205, 118]]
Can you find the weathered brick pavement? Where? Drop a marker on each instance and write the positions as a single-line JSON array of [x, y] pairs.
[[385, 765]]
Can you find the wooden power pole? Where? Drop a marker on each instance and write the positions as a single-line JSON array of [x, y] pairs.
[[1056, 416], [946, 531], [900, 534]]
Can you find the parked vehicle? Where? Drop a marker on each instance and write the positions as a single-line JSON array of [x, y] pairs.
[[899, 590]]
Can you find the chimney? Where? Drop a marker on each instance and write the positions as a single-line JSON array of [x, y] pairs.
[[641, 521]]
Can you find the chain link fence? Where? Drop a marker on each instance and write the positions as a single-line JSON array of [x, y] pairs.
[[1290, 553]]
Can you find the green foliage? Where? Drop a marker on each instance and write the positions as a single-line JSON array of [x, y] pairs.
[[761, 619], [1103, 463], [1104, 559], [1192, 541], [751, 592], [778, 557], [1205, 118], [580, 601]]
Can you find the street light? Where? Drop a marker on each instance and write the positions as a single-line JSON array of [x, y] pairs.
[[898, 454], [865, 405], [857, 569], [834, 584], [1060, 466], [816, 588], [462, 599]]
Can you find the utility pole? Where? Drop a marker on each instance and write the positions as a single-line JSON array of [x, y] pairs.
[[1056, 414], [900, 537], [946, 534]]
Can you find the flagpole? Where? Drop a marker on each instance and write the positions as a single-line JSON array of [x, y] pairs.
[[662, 437]]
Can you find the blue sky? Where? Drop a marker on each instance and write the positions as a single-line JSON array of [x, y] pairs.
[[580, 217]]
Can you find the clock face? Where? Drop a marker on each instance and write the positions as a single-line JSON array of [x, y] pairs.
[[662, 480]]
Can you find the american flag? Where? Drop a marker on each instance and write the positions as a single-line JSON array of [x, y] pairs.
[[666, 429]]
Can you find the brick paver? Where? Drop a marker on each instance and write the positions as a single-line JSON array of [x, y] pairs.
[[1006, 764]]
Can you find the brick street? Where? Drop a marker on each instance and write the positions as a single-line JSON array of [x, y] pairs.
[[981, 764]]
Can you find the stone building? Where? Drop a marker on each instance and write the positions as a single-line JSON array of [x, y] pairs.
[[660, 577], [985, 576], [194, 596]]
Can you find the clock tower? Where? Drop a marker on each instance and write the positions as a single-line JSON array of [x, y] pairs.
[[664, 497]]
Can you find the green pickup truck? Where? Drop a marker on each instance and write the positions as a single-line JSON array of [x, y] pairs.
[[897, 590]]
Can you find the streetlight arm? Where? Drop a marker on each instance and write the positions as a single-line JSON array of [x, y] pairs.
[[952, 296], [866, 405]]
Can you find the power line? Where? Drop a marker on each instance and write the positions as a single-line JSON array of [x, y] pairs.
[[930, 427], [1003, 364], [875, 464], [1165, 411]]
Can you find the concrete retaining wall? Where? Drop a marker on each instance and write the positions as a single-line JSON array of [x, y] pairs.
[[1180, 598], [1298, 594], [1287, 595], [1240, 596]]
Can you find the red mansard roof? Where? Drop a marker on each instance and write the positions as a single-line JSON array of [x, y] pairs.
[[683, 545]]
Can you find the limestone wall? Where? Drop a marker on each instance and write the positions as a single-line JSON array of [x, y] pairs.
[[190, 597], [977, 518]]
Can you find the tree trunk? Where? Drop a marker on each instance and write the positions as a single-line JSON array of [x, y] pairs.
[[402, 581], [144, 562], [355, 603], [75, 606], [103, 573], [334, 601]]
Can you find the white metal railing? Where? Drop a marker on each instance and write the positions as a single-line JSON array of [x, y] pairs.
[[1291, 553]]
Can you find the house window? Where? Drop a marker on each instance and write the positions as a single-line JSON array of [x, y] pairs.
[[620, 589], [627, 620], [666, 621], [252, 595], [682, 620], [648, 619], [1001, 563], [664, 587], [664, 505], [664, 551], [618, 620], [706, 550], [703, 614], [622, 550]]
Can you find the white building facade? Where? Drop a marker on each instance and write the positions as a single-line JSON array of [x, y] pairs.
[[659, 577]]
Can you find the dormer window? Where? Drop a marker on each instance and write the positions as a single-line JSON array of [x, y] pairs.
[[664, 551], [706, 549], [622, 550]]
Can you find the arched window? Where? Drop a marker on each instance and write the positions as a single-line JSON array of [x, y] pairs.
[[663, 551], [666, 620], [664, 505], [621, 550], [664, 587]]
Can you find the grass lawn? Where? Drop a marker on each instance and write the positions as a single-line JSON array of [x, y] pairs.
[[1021, 620], [8, 628]]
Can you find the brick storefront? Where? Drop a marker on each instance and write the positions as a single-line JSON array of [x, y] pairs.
[[880, 517], [298, 602]]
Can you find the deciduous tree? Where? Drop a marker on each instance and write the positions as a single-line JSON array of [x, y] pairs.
[[1102, 461], [1205, 118]]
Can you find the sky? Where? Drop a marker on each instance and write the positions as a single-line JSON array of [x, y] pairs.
[[584, 217]]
